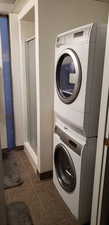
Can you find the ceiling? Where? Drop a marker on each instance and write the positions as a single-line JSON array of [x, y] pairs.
[[7, 1]]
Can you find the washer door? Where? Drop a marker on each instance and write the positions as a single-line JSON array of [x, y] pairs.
[[68, 76], [65, 169]]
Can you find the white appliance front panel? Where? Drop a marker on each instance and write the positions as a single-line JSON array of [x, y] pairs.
[[74, 113], [71, 199]]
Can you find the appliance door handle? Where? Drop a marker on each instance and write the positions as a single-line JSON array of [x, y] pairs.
[[68, 173]]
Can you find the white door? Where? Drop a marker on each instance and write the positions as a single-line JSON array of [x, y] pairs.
[[100, 209]]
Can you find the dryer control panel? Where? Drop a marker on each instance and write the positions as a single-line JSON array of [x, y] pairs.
[[83, 33]]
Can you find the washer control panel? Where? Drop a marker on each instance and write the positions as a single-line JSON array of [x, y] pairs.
[[72, 144]]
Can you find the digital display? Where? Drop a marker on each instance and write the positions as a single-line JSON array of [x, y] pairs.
[[78, 34]]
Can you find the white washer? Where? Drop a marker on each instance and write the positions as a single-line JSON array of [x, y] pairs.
[[79, 63], [73, 171]]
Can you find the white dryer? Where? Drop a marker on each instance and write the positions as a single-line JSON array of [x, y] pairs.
[[73, 171], [79, 60]]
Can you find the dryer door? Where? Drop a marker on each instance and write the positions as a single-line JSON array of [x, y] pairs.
[[65, 169], [68, 76]]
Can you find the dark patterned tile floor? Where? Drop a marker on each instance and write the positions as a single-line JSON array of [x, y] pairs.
[[45, 204]]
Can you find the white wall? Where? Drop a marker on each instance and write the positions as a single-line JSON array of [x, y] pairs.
[[55, 17]]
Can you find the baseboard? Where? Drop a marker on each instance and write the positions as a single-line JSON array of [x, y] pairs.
[[33, 160], [45, 175], [17, 148], [5, 153], [6, 150], [31, 156]]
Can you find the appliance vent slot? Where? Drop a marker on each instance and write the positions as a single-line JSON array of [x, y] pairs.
[[78, 34]]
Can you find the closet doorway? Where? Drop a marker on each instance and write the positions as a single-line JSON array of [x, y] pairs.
[[28, 78]]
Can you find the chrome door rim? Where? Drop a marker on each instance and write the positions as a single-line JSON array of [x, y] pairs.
[[68, 188], [78, 70]]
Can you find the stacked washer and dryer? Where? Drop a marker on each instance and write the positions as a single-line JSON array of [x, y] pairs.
[[79, 59]]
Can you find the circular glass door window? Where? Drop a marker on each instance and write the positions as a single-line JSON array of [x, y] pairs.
[[68, 76], [65, 169]]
